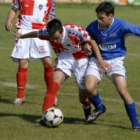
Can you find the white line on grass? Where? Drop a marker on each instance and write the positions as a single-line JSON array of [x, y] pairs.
[[10, 84]]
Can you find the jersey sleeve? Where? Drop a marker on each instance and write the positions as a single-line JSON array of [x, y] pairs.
[[15, 5], [51, 9], [130, 28], [82, 35], [43, 34], [52, 12]]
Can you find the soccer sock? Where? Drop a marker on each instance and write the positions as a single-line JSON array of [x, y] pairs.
[[21, 81], [50, 96], [86, 103], [48, 72], [131, 111], [96, 101]]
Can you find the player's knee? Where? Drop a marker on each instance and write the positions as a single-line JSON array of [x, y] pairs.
[[123, 92], [90, 88]]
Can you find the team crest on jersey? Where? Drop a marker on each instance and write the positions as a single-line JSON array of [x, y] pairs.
[[40, 7], [103, 39], [113, 35]]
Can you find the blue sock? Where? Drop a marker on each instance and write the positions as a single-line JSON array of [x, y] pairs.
[[131, 111], [96, 101]]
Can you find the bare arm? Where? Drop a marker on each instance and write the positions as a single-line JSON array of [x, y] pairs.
[[10, 17], [28, 35], [95, 48]]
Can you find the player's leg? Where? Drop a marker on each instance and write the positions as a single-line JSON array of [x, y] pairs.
[[93, 77], [21, 81], [85, 102], [58, 78], [121, 86], [48, 72], [91, 85]]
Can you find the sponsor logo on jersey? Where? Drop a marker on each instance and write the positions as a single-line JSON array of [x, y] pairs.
[[40, 7], [107, 46], [113, 35]]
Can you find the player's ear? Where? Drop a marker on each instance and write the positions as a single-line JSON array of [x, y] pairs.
[[111, 15]]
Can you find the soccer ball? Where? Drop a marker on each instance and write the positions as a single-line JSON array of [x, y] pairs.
[[53, 117]]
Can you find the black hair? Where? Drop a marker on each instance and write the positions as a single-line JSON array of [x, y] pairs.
[[105, 7], [54, 26]]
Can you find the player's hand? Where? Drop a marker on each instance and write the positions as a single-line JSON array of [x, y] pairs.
[[8, 26], [104, 66], [87, 48], [16, 34]]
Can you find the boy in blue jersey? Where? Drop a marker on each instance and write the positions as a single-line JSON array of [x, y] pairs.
[[110, 33]]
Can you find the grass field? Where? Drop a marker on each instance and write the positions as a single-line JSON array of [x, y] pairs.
[[18, 122]]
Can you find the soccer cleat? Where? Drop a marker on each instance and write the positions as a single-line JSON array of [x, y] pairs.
[[136, 128], [87, 111], [19, 101], [55, 102], [95, 114], [41, 122]]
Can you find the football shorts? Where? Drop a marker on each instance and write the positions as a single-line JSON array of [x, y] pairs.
[[70, 66], [30, 48], [117, 67]]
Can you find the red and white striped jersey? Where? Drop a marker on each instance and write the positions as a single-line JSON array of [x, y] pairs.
[[33, 13], [72, 39]]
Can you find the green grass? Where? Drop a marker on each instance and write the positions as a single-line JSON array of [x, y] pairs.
[[18, 122]]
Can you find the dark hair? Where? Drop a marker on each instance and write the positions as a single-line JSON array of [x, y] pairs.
[[54, 26], [105, 7]]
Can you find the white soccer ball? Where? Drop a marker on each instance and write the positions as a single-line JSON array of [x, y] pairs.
[[53, 117]]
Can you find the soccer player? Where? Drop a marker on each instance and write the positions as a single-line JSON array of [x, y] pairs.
[[110, 33], [33, 15], [67, 41]]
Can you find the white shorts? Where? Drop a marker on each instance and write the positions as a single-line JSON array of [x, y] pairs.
[[69, 65], [116, 64], [30, 48]]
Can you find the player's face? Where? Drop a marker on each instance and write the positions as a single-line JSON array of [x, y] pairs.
[[104, 20], [57, 37]]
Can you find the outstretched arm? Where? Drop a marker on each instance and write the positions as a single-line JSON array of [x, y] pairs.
[[28, 35]]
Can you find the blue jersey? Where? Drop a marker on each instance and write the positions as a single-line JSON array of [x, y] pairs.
[[111, 41]]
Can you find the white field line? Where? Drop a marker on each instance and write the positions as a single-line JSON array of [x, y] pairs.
[[9, 84]]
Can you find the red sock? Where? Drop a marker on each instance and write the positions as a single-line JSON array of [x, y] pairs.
[[86, 103], [21, 81], [48, 72], [50, 96]]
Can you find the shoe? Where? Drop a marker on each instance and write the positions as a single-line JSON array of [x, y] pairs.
[[55, 102], [136, 128], [41, 122], [19, 101], [87, 111], [95, 114]]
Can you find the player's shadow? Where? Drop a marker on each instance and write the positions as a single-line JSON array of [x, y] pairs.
[[69, 120], [29, 118], [34, 119], [7, 101]]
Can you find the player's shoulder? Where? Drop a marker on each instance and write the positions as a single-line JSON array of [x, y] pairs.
[[72, 26], [43, 31], [93, 24], [119, 20]]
